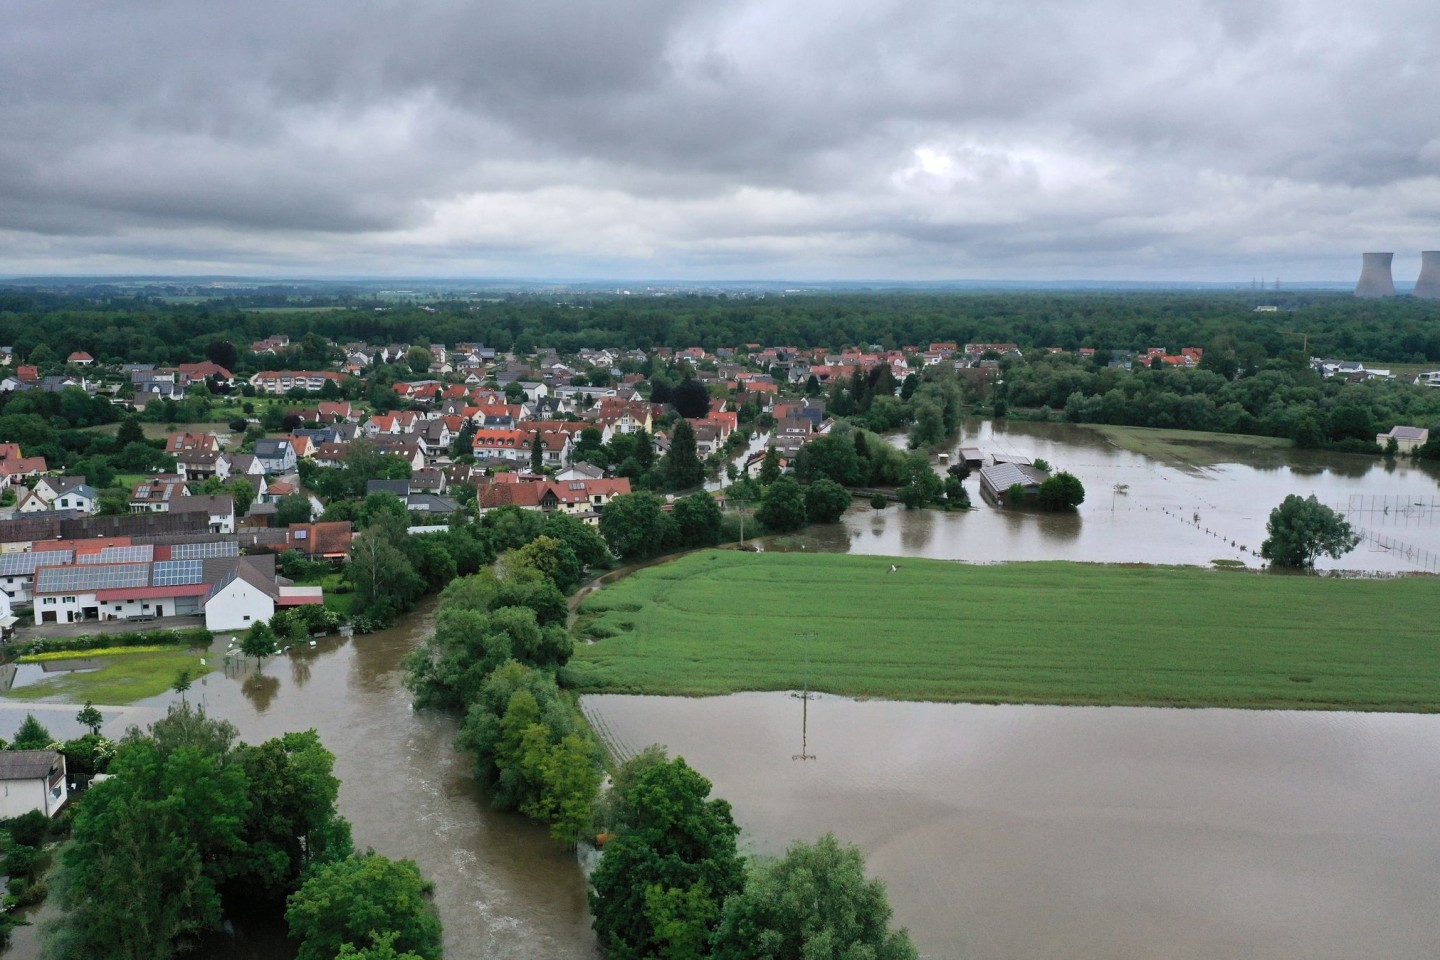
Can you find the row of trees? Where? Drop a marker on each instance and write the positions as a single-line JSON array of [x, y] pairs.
[[115, 325], [193, 826], [1281, 399]]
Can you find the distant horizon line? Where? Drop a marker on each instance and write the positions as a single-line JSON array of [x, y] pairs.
[[1256, 285]]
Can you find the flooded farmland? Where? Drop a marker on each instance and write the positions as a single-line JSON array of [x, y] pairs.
[[1033, 832], [1139, 509]]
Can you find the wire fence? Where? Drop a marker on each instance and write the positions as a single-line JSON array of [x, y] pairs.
[[1425, 559]]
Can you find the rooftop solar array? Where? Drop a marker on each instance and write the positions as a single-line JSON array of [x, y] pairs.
[[24, 564], [174, 573], [90, 577], [137, 554], [202, 551]]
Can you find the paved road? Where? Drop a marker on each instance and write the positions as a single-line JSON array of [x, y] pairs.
[[45, 630]]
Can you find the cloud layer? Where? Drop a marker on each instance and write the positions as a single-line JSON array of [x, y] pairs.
[[1197, 139]]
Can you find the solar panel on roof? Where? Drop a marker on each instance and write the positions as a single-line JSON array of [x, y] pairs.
[[24, 564], [174, 573], [201, 551], [136, 554], [88, 577]]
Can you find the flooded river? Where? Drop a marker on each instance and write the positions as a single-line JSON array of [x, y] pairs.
[[503, 888], [1165, 512], [1003, 832], [1115, 833]]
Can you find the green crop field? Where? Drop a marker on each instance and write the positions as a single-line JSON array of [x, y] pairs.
[[1185, 448], [722, 621]]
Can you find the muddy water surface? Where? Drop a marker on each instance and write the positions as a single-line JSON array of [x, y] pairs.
[[1064, 832], [503, 888]]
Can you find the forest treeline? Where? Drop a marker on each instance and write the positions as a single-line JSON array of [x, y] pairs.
[[147, 329]]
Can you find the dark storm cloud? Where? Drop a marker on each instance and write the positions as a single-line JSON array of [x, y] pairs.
[[764, 137]]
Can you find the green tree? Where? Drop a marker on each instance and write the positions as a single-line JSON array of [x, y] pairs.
[[260, 641], [670, 870], [635, 526], [537, 454], [831, 457], [385, 581], [782, 508], [813, 903], [418, 359], [32, 735], [381, 947], [919, 482], [292, 508], [681, 466], [770, 466], [698, 519], [1063, 491], [826, 500], [690, 399], [360, 897], [244, 495], [581, 537], [551, 558], [1303, 529], [139, 878], [291, 823], [90, 717]]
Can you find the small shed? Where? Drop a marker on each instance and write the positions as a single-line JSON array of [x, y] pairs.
[[32, 780], [1406, 438]]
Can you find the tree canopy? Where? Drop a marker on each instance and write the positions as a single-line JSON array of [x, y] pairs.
[[1302, 529], [814, 903]]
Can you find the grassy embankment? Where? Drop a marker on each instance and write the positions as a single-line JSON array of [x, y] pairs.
[[1065, 633], [125, 676], [1191, 447]]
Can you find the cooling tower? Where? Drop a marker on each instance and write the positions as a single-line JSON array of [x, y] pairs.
[[1375, 278], [1427, 287]]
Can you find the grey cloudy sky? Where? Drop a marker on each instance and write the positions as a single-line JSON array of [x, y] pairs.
[[724, 139]]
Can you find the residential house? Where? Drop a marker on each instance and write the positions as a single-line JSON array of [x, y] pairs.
[[32, 780], [275, 454], [155, 494]]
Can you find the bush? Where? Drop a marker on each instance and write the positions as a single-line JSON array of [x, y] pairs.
[[29, 829], [194, 637], [878, 501]]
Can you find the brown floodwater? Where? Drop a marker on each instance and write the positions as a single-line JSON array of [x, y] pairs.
[[1106, 833], [1142, 510], [504, 889], [1024, 832]]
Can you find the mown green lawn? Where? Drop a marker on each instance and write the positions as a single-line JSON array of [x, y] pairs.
[[722, 621], [124, 678]]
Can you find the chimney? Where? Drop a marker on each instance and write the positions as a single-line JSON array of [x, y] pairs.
[[1375, 280], [1427, 287]]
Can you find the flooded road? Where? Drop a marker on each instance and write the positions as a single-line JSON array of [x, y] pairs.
[[1115, 833], [504, 889], [1166, 512]]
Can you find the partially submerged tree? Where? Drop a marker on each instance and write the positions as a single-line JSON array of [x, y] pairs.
[[813, 903], [1302, 529]]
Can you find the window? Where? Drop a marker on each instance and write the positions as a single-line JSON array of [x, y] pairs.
[[247, 618], [49, 601], [69, 599], [144, 606]]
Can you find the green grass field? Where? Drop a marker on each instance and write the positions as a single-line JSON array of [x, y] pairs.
[[722, 621], [123, 679], [1191, 447]]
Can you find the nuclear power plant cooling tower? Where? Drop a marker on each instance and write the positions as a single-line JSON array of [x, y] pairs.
[[1427, 287], [1375, 280]]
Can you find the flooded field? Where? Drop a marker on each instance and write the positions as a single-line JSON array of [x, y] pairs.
[[1139, 509], [1117, 833]]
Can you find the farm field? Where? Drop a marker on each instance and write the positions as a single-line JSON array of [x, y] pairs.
[[1063, 633]]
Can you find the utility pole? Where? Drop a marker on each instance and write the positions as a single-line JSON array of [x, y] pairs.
[[804, 753]]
